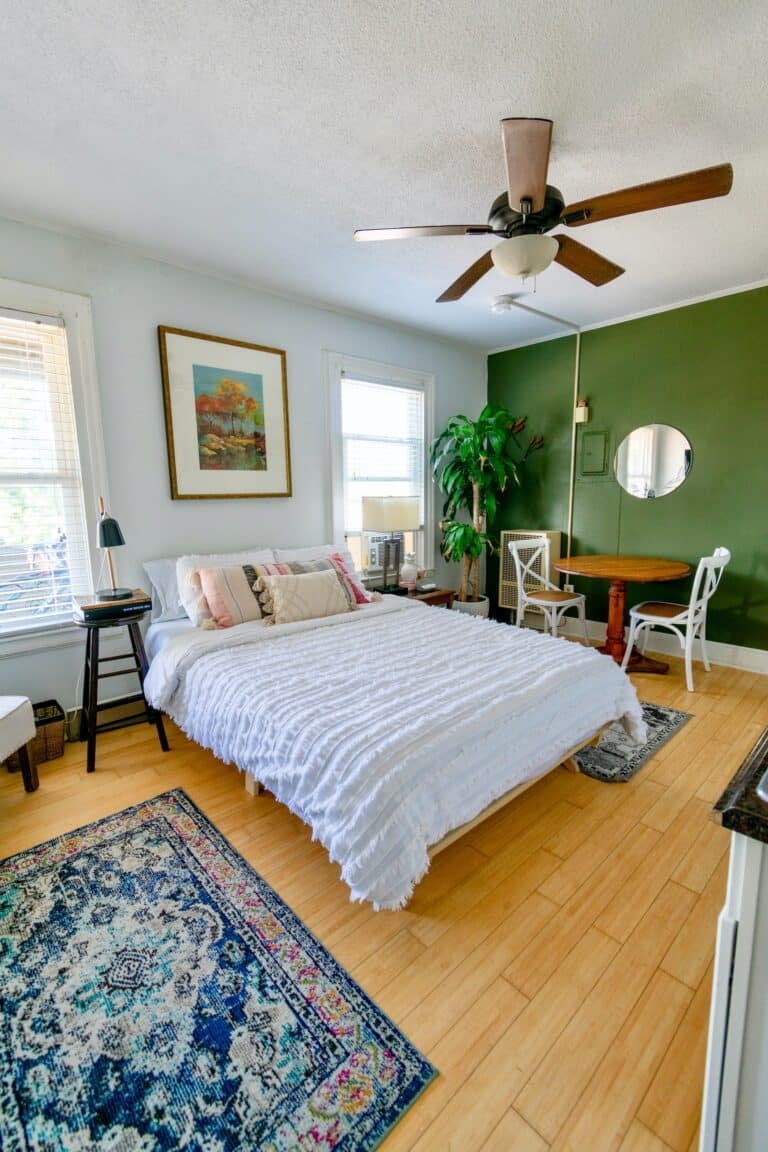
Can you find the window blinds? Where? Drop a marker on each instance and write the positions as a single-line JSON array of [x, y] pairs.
[[44, 556], [383, 444]]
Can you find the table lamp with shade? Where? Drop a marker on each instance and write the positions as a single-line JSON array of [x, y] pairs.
[[391, 514], [110, 537]]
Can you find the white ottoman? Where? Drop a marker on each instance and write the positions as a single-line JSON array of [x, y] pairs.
[[17, 728]]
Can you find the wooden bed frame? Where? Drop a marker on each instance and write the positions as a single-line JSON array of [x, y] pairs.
[[254, 788], [568, 762]]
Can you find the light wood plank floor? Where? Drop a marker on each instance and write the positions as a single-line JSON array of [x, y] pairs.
[[555, 964]]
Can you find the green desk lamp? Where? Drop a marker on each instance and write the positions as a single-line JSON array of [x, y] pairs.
[[110, 537]]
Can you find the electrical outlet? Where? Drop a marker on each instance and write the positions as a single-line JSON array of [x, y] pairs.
[[569, 588]]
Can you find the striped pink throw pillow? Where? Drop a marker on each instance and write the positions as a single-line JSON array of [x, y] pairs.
[[230, 594], [361, 594]]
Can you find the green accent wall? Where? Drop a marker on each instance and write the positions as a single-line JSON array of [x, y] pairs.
[[702, 368]]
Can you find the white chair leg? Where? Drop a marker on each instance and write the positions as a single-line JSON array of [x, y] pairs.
[[703, 642], [554, 622], [520, 612], [630, 642], [689, 658], [583, 618]]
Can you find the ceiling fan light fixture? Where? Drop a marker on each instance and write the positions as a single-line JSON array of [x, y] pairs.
[[523, 256]]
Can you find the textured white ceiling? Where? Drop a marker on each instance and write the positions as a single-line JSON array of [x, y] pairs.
[[252, 136]]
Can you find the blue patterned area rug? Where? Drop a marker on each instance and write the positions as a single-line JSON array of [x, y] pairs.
[[616, 759], [155, 993]]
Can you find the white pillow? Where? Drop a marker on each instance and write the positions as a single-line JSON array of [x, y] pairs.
[[188, 582], [166, 604]]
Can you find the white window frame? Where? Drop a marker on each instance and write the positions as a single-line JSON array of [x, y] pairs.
[[337, 365], [75, 311]]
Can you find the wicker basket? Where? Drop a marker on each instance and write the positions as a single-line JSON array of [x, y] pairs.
[[48, 742]]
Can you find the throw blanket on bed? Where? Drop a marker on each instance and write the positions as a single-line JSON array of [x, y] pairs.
[[386, 728]]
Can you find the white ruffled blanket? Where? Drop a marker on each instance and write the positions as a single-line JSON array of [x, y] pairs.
[[386, 728]]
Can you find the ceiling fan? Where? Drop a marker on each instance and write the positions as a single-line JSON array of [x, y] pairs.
[[530, 208]]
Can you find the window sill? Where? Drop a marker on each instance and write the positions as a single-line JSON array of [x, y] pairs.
[[40, 640], [373, 580]]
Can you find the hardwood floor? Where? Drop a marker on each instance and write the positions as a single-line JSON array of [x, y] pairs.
[[555, 964]]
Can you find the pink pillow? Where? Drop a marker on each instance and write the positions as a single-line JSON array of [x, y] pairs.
[[230, 595], [361, 594]]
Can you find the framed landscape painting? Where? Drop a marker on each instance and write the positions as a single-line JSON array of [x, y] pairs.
[[226, 417]]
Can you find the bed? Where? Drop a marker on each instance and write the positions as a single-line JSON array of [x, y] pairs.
[[391, 729]]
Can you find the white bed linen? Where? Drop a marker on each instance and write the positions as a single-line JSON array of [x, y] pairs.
[[159, 633], [386, 728]]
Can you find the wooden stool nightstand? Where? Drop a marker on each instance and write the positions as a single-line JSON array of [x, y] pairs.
[[89, 726], [439, 597]]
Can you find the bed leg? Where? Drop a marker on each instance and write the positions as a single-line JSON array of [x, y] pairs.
[[252, 785], [570, 765]]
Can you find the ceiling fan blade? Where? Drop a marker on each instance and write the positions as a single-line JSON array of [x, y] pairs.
[[701, 185], [423, 230], [585, 262], [526, 153], [474, 273]]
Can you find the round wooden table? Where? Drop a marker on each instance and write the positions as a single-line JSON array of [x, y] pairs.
[[623, 570]]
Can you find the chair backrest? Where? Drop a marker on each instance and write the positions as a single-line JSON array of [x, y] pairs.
[[530, 555], [709, 573]]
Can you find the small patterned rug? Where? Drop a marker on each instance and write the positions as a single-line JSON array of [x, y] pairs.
[[155, 993], [616, 759]]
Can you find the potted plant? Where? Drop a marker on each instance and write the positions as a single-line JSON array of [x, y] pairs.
[[473, 461]]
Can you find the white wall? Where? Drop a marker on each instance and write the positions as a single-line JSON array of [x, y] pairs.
[[131, 295]]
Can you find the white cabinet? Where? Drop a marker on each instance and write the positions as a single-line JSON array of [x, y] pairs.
[[735, 1107]]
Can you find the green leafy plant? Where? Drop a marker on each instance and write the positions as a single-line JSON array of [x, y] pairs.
[[473, 462]]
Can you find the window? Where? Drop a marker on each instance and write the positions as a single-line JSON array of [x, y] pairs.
[[44, 550], [641, 450], [381, 426]]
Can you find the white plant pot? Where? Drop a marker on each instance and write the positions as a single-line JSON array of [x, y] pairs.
[[472, 607]]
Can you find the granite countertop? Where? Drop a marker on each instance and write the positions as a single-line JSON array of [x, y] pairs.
[[741, 807]]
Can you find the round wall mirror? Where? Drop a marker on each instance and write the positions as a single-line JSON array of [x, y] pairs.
[[652, 461]]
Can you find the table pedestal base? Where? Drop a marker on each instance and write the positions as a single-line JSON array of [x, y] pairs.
[[614, 640], [637, 661]]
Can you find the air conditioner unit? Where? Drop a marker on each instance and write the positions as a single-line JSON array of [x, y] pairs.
[[508, 576], [375, 548]]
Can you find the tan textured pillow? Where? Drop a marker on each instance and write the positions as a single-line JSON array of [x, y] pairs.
[[306, 597], [298, 568]]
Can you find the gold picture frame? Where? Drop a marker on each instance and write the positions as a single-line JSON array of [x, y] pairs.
[[226, 417]]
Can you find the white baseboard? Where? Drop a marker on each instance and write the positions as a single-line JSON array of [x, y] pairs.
[[726, 655]]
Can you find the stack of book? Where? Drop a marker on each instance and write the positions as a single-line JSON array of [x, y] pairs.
[[89, 610]]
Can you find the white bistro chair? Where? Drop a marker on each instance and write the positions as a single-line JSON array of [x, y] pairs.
[[17, 728], [530, 555], [687, 621]]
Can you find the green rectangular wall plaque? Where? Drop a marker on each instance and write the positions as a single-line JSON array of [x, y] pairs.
[[594, 453]]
